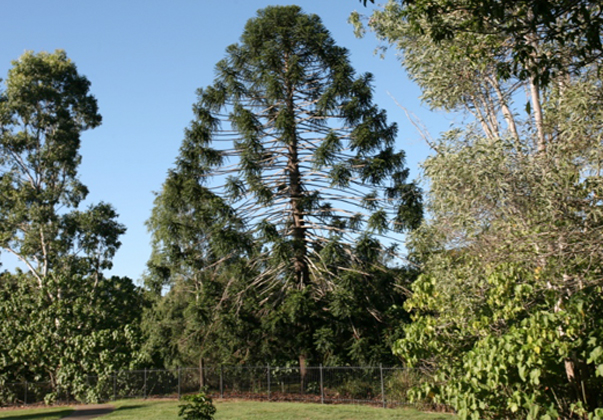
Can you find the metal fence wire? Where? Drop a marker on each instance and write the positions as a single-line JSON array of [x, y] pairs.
[[377, 385]]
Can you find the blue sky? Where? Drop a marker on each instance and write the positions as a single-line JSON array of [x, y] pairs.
[[145, 60]]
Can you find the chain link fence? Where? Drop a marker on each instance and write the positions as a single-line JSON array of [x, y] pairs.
[[383, 386]]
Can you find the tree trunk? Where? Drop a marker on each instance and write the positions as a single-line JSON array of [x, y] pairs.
[[300, 265], [302, 372], [298, 230], [535, 97], [538, 117], [507, 114]]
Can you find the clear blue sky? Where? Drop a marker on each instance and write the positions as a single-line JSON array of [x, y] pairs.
[[145, 59]]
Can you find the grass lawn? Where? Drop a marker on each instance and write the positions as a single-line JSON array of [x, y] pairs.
[[237, 410]]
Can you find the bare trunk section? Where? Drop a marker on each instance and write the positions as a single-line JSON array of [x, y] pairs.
[[477, 113], [201, 374], [300, 264], [538, 116], [490, 109], [535, 99], [296, 196], [29, 265], [504, 106]]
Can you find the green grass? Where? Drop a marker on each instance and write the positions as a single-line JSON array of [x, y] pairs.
[[237, 410], [251, 410]]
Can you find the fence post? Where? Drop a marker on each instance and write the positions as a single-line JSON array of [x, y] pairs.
[[322, 387], [179, 381], [144, 388], [114, 386], [268, 377], [201, 374], [25, 399], [382, 385], [221, 381]]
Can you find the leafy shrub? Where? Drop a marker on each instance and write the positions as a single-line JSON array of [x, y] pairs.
[[7, 396], [313, 388], [197, 407]]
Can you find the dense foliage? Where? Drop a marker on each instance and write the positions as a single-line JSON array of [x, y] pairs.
[[281, 204], [274, 236]]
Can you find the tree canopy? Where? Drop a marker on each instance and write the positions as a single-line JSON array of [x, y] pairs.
[[43, 110]]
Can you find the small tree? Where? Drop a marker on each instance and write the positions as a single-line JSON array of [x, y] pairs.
[[197, 407]]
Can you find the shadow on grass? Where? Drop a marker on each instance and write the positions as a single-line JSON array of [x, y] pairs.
[[128, 407], [89, 412], [33, 416], [68, 413]]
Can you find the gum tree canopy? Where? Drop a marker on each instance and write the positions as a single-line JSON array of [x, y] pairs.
[[568, 26], [43, 111]]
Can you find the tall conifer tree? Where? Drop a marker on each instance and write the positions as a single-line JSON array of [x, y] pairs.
[[289, 139]]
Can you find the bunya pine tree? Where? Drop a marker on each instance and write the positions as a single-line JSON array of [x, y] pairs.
[[301, 180]]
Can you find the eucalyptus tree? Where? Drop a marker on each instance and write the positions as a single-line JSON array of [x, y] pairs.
[[450, 79], [43, 111], [479, 73], [288, 145], [59, 310], [535, 44]]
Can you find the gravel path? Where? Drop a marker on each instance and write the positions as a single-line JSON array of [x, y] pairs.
[[85, 412]]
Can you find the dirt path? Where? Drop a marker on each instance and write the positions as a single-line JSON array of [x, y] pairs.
[[85, 412]]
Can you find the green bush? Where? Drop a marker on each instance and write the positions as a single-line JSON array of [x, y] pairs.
[[197, 407]]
